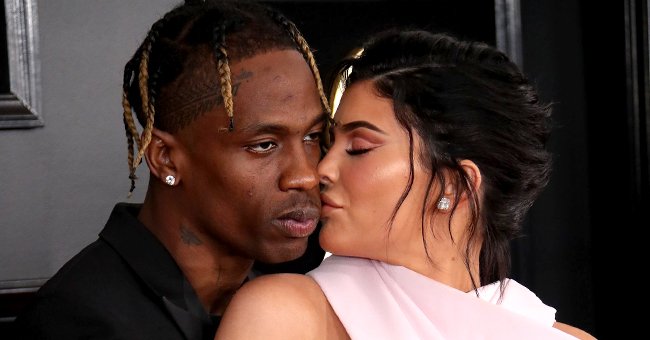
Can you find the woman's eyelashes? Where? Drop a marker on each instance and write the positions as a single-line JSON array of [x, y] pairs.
[[359, 146], [354, 152]]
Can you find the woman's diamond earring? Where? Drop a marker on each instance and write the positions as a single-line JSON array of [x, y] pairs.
[[444, 203]]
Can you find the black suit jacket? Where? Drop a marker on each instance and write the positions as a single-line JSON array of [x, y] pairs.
[[125, 285]]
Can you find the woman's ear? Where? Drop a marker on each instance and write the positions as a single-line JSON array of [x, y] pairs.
[[159, 157], [473, 174]]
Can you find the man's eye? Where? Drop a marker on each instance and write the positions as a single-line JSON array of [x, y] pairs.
[[262, 147], [314, 136]]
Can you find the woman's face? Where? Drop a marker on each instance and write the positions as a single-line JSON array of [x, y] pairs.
[[363, 176]]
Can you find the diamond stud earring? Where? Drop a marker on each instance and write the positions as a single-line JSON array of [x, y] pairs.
[[444, 203], [170, 180]]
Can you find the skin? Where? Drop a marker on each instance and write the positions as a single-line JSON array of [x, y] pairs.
[[362, 177], [245, 195]]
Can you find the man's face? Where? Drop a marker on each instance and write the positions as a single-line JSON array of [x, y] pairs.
[[254, 191]]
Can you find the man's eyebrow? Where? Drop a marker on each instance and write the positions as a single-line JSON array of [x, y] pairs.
[[357, 124], [272, 128], [323, 118]]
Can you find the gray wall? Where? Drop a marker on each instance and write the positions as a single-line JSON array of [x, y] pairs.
[[58, 183]]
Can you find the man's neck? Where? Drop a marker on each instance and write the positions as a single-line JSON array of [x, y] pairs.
[[214, 275], [211, 269]]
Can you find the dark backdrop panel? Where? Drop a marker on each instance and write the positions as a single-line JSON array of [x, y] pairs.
[[334, 28], [609, 176], [616, 77], [553, 256]]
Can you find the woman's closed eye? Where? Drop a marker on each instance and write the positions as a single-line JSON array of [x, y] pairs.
[[354, 152], [359, 146]]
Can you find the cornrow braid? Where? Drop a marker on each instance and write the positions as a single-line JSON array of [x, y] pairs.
[[131, 133], [223, 67], [129, 123], [147, 108], [297, 37], [147, 101]]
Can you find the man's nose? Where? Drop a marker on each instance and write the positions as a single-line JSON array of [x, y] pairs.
[[300, 172]]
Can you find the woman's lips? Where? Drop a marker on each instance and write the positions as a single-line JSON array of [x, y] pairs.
[[327, 205]]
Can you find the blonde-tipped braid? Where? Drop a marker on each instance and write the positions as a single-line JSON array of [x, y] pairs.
[[306, 52], [226, 86], [131, 136], [132, 130], [314, 68], [147, 108]]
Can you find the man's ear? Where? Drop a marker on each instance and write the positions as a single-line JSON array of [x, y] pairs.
[[473, 174], [159, 156]]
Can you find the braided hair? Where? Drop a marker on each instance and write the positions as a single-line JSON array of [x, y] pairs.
[[182, 68]]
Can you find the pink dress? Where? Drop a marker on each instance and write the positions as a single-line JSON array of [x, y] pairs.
[[375, 300]]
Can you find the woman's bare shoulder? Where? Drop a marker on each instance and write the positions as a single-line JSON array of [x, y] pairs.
[[575, 331], [280, 288], [286, 306]]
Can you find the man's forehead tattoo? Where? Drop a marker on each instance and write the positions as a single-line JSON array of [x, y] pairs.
[[239, 78], [190, 100], [186, 103]]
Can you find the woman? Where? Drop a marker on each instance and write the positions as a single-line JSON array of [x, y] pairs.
[[438, 151]]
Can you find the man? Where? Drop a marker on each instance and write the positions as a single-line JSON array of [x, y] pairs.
[[232, 109]]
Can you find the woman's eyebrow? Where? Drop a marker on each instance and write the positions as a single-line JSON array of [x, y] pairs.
[[357, 124]]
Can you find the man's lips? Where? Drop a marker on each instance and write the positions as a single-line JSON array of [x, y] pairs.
[[298, 223]]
